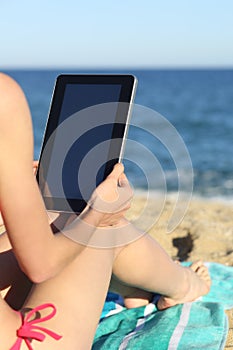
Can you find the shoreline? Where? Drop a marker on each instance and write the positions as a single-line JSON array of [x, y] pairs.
[[138, 192]]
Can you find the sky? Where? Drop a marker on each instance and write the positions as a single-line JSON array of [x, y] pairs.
[[119, 33]]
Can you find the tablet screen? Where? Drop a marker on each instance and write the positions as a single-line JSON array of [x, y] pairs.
[[83, 138]]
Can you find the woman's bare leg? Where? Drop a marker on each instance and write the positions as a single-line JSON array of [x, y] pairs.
[[80, 289], [133, 296], [79, 293], [198, 286], [141, 266], [145, 265]]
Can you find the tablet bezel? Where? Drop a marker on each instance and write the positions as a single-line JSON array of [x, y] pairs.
[[128, 87]]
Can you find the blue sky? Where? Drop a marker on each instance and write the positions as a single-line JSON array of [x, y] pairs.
[[119, 33]]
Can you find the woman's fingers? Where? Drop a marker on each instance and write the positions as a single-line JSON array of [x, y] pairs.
[[35, 166], [116, 172], [123, 181]]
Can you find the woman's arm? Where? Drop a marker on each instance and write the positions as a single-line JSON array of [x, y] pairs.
[[40, 253], [21, 206]]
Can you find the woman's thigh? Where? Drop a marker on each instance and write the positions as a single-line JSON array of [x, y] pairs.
[[78, 293]]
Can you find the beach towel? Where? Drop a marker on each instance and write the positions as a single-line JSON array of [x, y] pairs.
[[197, 325]]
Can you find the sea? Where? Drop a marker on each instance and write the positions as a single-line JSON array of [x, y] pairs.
[[196, 107]]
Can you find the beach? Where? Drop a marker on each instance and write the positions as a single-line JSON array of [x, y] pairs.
[[197, 102], [206, 232]]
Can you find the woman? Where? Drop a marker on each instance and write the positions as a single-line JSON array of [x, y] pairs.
[[67, 275]]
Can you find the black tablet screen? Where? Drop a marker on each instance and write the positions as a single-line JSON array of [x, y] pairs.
[[76, 99], [83, 122]]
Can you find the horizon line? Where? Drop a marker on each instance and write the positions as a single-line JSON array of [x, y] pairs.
[[98, 68]]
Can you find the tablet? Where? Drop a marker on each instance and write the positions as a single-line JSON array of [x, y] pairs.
[[84, 137]]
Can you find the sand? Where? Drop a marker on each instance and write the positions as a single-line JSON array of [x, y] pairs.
[[206, 232]]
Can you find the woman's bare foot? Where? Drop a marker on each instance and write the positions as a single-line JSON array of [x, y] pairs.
[[197, 284], [137, 298], [133, 296]]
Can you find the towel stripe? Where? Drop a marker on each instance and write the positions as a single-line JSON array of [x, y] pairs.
[[140, 324], [179, 330]]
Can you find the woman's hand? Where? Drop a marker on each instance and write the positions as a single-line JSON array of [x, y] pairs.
[[101, 222], [108, 203], [112, 198]]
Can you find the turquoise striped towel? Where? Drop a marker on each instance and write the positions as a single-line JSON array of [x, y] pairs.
[[198, 325]]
